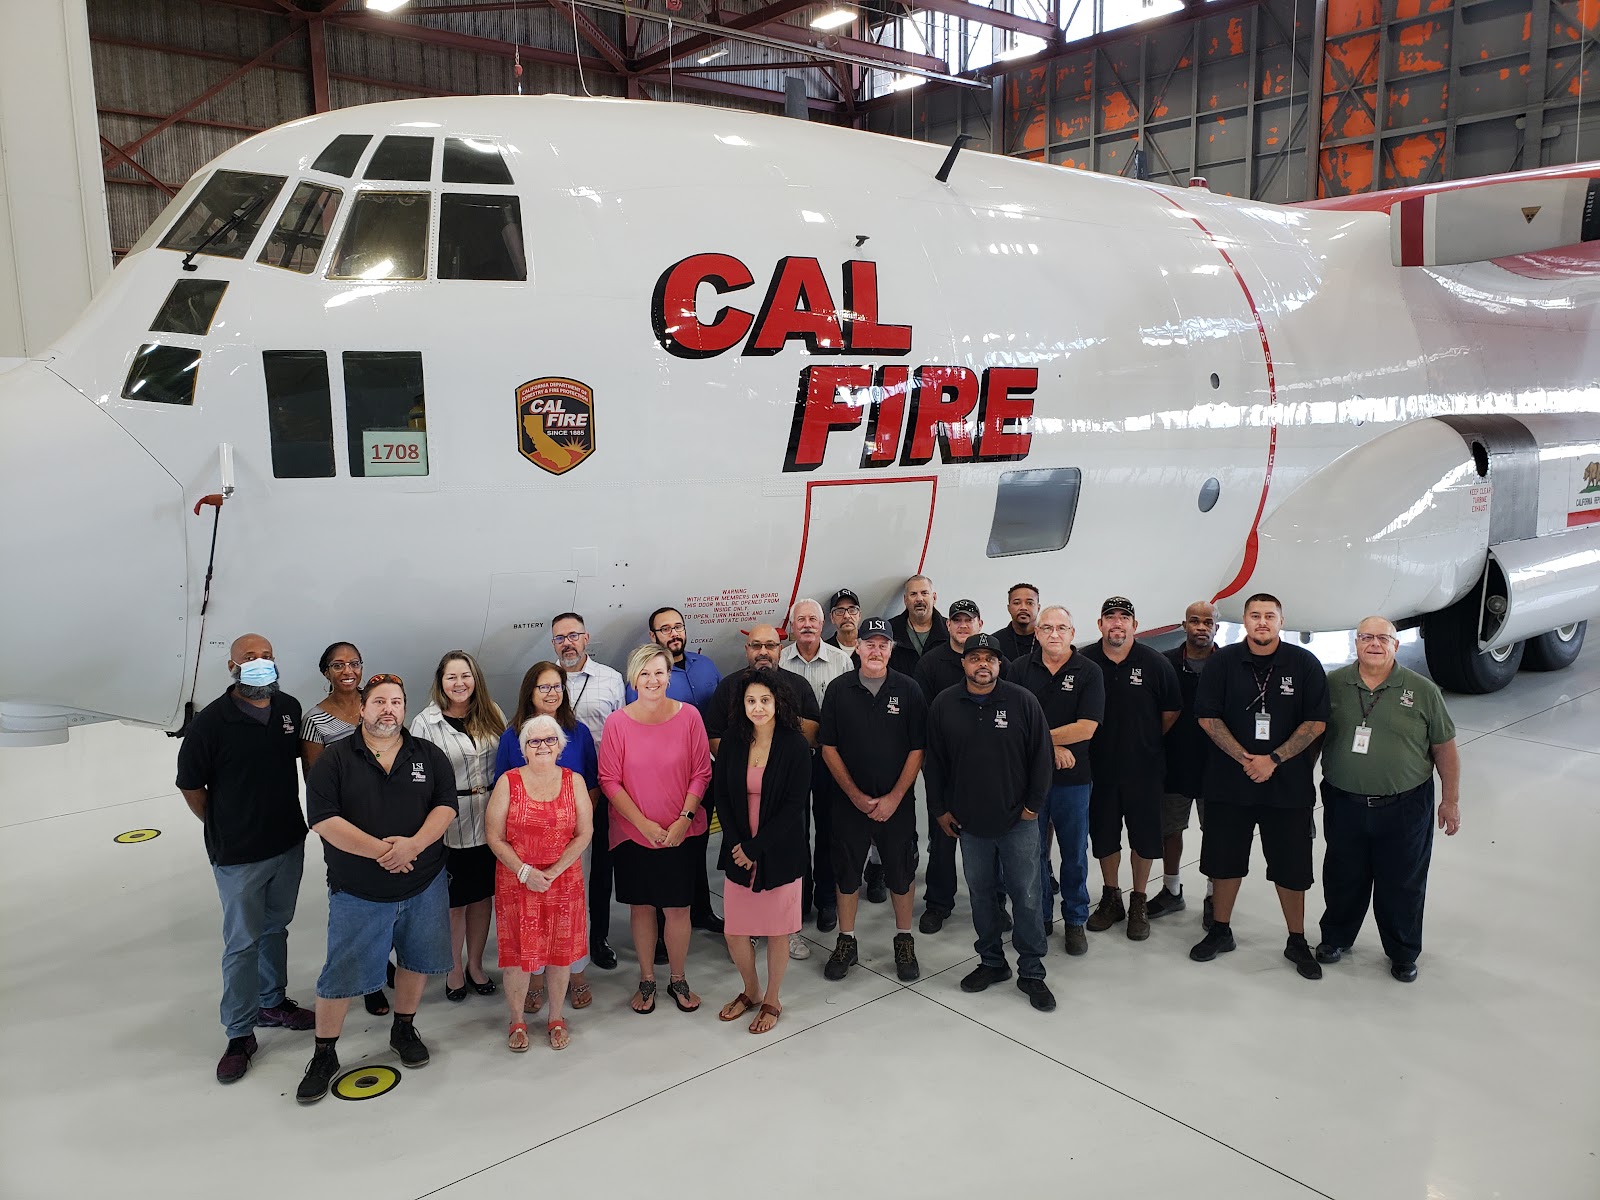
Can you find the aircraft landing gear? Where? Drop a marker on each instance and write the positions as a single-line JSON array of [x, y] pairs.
[[1450, 639], [1554, 650]]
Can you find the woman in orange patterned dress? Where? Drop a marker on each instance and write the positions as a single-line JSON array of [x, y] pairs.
[[539, 821]]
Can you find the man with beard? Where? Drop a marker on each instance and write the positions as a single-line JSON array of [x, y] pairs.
[[1187, 748], [237, 772], [595, 691], [919, 629], [844, 609], [380, 800], [1018, 638], [988, 768]]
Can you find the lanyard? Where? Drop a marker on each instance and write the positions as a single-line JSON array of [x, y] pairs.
[[1263, 682], [1366, 709], [579, 698]]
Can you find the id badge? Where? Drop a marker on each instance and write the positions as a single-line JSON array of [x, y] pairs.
[[1263, 726], [1358, 744]]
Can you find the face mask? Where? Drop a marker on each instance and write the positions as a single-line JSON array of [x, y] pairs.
[[258, 672]]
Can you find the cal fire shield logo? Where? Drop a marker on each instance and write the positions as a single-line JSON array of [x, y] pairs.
[[555, 423]]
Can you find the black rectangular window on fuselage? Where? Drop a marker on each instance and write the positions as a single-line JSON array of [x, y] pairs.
[[386, 237], [190, 307], [162, 374], [237, 200], [299, 413], [302, 230], [1034, 511], [385, 413], [480, 237]]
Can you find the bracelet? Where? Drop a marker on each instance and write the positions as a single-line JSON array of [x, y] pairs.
[[522, 875]]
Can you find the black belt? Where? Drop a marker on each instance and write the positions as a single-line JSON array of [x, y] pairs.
[[477, 791], [1376, 801]]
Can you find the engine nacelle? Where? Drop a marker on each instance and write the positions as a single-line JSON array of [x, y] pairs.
[[1540, 584]]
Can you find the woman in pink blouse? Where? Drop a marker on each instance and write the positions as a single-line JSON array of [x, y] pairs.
[[655, 765]]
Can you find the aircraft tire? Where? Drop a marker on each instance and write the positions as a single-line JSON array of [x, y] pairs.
[[1450, 640], [1554, 650]]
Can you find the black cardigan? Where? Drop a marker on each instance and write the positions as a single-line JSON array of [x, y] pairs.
[[779, 851]]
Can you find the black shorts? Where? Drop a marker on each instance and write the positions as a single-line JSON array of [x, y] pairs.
[[1136, 805], [471, 872], [854, 834], [1286, 835], [663, 878]]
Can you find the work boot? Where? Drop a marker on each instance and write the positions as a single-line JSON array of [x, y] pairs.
[[1138, 917], [1108, 912]]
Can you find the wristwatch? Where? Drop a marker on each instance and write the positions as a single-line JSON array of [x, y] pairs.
[[687, 816], [1274, 757]]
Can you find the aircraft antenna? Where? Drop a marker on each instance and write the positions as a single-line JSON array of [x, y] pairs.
[[962, 139]]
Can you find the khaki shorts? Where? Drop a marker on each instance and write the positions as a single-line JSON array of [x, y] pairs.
[[1175, 813]]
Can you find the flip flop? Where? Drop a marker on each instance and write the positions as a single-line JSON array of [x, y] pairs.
[[766, 1011], [517, 1042], [678, 989], [647, 994], [556, 1031], [739, 1005]]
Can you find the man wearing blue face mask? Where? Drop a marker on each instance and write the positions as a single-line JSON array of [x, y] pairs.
[[237, 772]]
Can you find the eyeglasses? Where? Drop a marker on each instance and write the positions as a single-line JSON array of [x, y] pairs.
[[763, 645], [535, 743], [340, 664], [1369, 638], [1053, 628], [548, 688], [562, 638], [678, 628], [847, 610]]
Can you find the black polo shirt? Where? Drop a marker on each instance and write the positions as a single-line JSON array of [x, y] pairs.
[[904, 656], [874, 735], [719, 713], [988, 757], [1015, 645], [348, 782], [1077, 692], [941, 668], [250, 768], [1188, 747], [1234, 686], [1127, 748]]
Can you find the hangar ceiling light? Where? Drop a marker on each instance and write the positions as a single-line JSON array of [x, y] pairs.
[[387, 5], [834, 18]]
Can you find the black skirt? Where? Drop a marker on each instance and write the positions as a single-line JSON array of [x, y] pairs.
[[471, 874], [663, 878]]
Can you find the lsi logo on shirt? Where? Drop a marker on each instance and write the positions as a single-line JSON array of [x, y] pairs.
[[419, 773], [1000, 719], [1286, 686], [892, 707], [1408, 698], [1136, 677], [288, 723], [1067, 684]]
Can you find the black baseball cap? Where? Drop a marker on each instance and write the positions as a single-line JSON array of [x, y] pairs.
[[981, 641], [841, 596], [1116, 604], [874, 627], [965, 608]]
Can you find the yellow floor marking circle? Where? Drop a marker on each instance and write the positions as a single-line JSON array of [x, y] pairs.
[[366, 1083], [134, 836]]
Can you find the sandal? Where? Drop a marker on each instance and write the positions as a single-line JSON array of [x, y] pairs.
[[766, 1011], [556, 1031], [678, 989], [647, 995], [487, 988], [534, 1001], [580, 996], [517, 1043], [737, 1007], [377, 1003]]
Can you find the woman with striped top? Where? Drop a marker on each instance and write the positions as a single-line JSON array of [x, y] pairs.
[[465, 722]]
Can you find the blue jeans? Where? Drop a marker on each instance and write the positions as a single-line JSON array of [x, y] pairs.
[[1067, 809], [1012, 860], [258, 902]]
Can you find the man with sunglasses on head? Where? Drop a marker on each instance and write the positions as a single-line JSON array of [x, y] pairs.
[[595, 691]]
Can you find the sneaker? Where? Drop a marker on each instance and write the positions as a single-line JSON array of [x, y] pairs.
[[1108, 912], [1207, 917], [1075, 941], [932, 921], [1298, 951], [1138, 917], [1038, 993], [827, 919], [1405, 972], [842, 959], [235, 1060], [799, 947], [287, 1015], [1218, 940], [404, 1041], [982, 975], [877, 889], [1327, 952], [1165, 902], [324, 1065], [905, 958]]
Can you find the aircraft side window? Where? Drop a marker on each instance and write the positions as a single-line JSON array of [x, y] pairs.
[[402, 156], [302, 230], [474, 160], [480, 237], [299, 413], [190, 307], [1034, 510], [340, 156], [162, 374], [386, 237], [226, 215], [385, 413]]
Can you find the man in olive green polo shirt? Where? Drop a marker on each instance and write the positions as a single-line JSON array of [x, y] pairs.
[[1388, 732]]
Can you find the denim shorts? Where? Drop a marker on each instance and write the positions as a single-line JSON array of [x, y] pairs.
[[362, 932]]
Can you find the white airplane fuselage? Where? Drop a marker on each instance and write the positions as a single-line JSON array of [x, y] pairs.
[[712, 279]]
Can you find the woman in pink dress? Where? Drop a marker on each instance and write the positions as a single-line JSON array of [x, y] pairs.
[[655, 765], [761, 784], [538, 822]]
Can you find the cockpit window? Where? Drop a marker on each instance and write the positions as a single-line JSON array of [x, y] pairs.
[[302, 230], [162, 374], [474, 160], [340, 156], [190, 306], [480, 237], [225, 196], [402, 157], [386, 237]]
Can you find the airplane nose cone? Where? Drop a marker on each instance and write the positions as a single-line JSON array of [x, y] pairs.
[[92, 614]]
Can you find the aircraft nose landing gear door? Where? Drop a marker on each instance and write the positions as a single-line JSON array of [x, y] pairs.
[[869, 535], [516, 630]]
